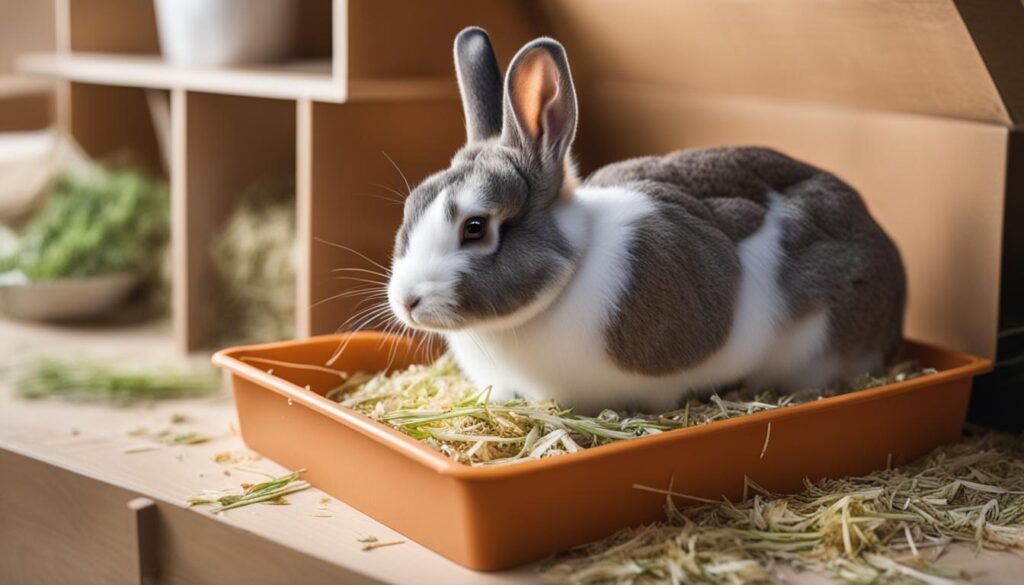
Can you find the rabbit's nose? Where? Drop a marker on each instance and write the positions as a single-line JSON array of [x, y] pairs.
[[411, 302]]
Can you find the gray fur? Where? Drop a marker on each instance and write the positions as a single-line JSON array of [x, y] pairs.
[[836, 256], [682, 288], [532, 252], [479, 78]]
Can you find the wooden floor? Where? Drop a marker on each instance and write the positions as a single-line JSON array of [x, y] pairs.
[[258, 543]]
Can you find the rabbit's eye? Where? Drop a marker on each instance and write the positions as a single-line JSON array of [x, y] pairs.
[[474, 229]]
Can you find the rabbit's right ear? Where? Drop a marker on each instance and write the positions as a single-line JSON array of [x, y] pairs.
[[480, 84], [540, 101]]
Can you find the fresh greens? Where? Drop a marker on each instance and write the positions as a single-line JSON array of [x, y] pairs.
[[86, 381], [111, 222]]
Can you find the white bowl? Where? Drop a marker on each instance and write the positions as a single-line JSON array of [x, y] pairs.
[[70, 299], [218, 33]]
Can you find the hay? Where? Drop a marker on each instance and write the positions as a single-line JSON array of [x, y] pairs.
[[437, 405], [885, 527], [255, 257]]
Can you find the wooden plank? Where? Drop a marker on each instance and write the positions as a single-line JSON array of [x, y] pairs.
[[315, 36], [73, 531], [300, 79], [230, 142], [913, 57], [144, 512], [419, 42], [112, 26], [996, 27], [294, 80], [180, 275], [303, 215], [81, 530], [114, 124], [26, 111], [32, 30], [356, 190]]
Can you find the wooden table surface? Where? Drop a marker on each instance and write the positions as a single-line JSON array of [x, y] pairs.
[[91, 440]]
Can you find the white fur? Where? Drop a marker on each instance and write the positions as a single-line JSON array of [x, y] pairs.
[[561, 352], [430, 269]]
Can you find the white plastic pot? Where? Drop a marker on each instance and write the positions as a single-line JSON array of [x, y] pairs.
[[218, 33]]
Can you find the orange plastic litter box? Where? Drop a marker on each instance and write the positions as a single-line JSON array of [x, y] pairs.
[[490, 518]]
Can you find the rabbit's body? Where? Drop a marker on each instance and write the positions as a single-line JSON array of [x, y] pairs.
[[634, 317], [655, 279]]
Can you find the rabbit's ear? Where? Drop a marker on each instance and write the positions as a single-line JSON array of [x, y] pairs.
[[479, 83], [540, 101]]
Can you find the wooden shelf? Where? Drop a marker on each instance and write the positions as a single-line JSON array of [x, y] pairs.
[[17, 86], [360, 84], [304, 79], [311, 79]]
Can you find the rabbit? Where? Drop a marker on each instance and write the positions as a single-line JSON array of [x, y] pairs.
[[654, 279]]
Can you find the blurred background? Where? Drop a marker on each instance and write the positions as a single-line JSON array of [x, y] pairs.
[[193, 170]]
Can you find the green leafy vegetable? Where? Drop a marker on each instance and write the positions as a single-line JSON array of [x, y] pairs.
[[113, 222]]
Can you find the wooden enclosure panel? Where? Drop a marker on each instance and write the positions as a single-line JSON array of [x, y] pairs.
[[114, 123], [352, 203], [936, 185], [398, 38], [26, 112], [56, 527], [80, 531], [224, 144], [315, 36], [25, 25], [112, 26], [904, 56]]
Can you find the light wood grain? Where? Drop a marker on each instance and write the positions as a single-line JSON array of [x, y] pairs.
[[303, 214], [113, 124], [302, 79], [230, 143], [915, 57]]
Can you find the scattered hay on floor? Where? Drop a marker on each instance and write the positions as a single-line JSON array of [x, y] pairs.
[[885, 527]]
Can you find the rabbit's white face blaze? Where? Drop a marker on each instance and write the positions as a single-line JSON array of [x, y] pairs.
[[421, 291], [473, 252]]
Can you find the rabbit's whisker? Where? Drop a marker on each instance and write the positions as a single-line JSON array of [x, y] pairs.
[[353, 251]]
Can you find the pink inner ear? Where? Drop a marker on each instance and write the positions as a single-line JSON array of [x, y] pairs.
[[534, 87]]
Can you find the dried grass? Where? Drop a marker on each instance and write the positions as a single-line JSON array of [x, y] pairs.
[[437, 405], [886, 527]]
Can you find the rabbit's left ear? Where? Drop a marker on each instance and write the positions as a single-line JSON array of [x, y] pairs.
[[540, 100], [479, 84]]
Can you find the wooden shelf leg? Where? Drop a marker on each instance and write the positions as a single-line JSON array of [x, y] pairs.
[[145, 523]]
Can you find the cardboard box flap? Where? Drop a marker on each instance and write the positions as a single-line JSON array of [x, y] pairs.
[[917, 57]]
